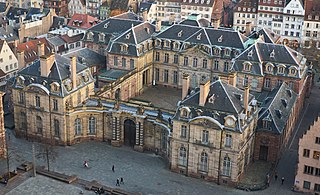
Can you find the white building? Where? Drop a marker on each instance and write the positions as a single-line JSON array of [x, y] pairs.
[[245, 13], [269, 11], [202, 7], [169, 10], [77, 7], [8, 62], [311, 27]]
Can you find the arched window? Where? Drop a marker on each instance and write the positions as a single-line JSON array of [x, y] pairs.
[[56, 128], [77, 126], [92, 125], [183, 156], [203, 164], [39, 124], [226, 166]]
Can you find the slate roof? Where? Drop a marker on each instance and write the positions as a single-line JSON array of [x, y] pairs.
[[145, 6], [132, 38], [14, 13], [58, 73], [200, 23], [33, 11], [30, 49], [56, 41], [3, 7], [276, 107], [268, 36], [8, 33], [82, 21], [112, 74], [89, 57], [210, 36], [119, 4]]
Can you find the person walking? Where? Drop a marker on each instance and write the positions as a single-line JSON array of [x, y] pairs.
[[282, 180], [112, 168], [276, 176], [121, 180], [118, 182]]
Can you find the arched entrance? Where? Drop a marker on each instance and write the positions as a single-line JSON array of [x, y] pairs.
[[129, 132]]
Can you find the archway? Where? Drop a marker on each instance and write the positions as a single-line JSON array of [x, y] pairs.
[[129, 132]]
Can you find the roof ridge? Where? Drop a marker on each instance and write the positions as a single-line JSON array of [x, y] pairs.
[[222, 84]]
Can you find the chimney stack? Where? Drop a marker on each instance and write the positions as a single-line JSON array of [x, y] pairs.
[[171, 19], [145, 15], [46, 63], [204, 92], [73, 71], [21, 62], [248, 28], [233, 79], [185, 85], [158, 25], [246, 100], [40, 49]]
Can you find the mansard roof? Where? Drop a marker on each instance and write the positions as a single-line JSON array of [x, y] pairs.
[[58, 73], [87, 56], [214, 37], [132, 38], [266, 35], [13, 12], [276, 108]]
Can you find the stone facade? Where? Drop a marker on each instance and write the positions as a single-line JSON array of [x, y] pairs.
[[3, 142], [308, 169]]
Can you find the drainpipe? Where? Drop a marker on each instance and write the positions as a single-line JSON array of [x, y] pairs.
[[219, 165], [187, 170]]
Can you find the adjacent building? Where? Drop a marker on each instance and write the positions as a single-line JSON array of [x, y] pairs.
[[59, 6], [308, 169], [245, 16], [77, 7], [311, 26], [8, 63]]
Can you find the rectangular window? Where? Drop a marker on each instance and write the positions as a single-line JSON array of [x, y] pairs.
[[317, 140], [10, 57], [185, 61], [175, 59], [38, 102], [267, 83], [216, 65], [306, 185], [166, 76], [279, 82], [204, 63], [317, 187], [21, 98], [175, 77], [183, 133], [195, 62], [306, 153], [115, 61], [308, 170], [166, 58], [124, 61], [226, 67], [55, 105], [316, 155], [228, 140], [157, 56], [317, 172], [205, 136], [131, 63], [157, 74]]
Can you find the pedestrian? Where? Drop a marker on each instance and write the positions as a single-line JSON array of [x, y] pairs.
[[268, 179], [112, 168], [121, 180], [276, 176], [85, 164], [282, 180], [118, 182]]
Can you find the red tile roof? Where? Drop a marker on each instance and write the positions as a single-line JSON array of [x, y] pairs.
[[2, 74], [30, 49], [83, 21], [312, 10]]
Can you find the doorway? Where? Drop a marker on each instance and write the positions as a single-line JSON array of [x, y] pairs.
[[263, 154], [129, 132]]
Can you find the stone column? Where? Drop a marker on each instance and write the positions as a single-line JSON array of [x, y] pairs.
[[141, 135], [118, 128], [138, 133], [114, 128], [115, 131]]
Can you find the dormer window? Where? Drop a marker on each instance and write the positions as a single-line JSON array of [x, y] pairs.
[[180, 33], [216, 51], [158, 43], [266, 124], [90, 36], [184, 112], [20, 80], [269, 68], [124, 48], [281, 69], [272, 54], [293, 71], [55, 87], [199, 37], [247, 66], [227, 52], [101, 37], [220, 39], [128, 36], [250, 53], [176, 45], [309, 17], [167, 43]]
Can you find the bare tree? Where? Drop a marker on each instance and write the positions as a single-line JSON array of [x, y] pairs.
[[47, 152]]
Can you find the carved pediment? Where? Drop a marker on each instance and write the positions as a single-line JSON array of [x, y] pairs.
[[206, 123]]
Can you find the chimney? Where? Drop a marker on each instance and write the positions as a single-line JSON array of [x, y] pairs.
[[21, 62], [40, 49], [145, 15], [204, 91], [233, 79], [73, 71], [35, 5], [158, 25], [248, 28], [46, 63], [185, 85], [171, 19], [246, 100]]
